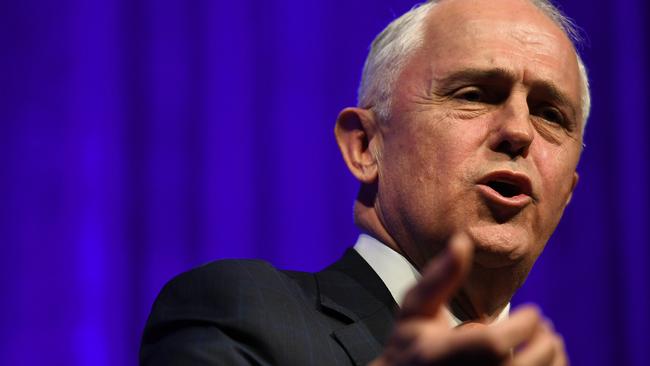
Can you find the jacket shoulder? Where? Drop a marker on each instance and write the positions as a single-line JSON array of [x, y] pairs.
[[219, 284], [230, 311]]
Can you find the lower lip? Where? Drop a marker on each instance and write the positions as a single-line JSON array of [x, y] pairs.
[[518, 201]]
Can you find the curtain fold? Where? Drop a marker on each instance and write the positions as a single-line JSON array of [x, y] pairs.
[[140, 139]]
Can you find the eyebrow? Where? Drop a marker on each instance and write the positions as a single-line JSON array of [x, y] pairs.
[[472, 74], [476, 74]]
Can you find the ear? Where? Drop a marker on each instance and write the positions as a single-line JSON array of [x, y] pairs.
[[357, 135], [576, 178]]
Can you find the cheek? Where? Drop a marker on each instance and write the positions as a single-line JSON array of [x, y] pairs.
[[433, 151], [451, 141], [556, 169]]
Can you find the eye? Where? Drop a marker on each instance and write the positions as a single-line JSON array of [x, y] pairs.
[[470, 94], [551, 114]]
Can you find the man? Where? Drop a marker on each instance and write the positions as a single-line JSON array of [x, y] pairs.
[[466, 141]]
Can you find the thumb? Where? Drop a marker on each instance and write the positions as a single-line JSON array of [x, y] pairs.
[[440, 279]]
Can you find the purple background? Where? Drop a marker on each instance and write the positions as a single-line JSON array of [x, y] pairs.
[[139, 139]]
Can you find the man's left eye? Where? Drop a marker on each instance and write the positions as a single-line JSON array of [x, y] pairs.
[[551, 114]]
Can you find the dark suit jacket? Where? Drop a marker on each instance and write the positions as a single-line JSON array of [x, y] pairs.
[[243, 312]]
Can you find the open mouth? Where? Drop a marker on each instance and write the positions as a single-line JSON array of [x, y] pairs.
[[506, 189]]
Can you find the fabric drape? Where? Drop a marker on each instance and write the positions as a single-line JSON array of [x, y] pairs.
[[139, 139]]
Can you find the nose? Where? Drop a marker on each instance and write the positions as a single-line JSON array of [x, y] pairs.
[[512, 132]]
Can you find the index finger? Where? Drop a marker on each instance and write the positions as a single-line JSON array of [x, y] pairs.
[[440, 279], [518, 328]]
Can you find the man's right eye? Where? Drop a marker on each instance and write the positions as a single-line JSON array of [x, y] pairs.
[[469, 94]]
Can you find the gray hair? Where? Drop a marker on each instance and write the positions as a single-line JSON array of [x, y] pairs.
[[390, 50]]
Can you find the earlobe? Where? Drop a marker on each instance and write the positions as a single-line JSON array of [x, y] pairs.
[[576, 178], [356, 135]]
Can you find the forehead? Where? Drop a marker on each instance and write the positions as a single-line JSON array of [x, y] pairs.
[[506, 34]]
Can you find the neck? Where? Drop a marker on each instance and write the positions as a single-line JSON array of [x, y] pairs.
[[368, 221], [484, 294], [468, 310]]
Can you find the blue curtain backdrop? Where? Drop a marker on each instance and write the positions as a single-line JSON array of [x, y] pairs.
[[139, 139]]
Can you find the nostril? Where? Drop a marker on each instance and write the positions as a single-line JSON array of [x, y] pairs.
[[504, 146], [511, 149]]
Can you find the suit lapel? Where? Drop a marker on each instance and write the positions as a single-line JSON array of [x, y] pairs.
[[350, 290]]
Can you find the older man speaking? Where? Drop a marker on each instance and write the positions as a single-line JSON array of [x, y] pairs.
[[465, 140]]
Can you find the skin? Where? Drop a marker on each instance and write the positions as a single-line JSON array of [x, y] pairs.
[[422, 335], [487, 92]]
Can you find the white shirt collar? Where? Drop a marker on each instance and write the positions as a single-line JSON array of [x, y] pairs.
[[397, 273]]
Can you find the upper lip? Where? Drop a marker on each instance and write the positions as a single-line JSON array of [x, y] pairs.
[[519, 180]]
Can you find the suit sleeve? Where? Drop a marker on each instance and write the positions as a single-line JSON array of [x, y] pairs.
[[214, 315]]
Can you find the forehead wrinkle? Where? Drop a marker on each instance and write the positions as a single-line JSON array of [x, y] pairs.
[[477, 74], [542, 41], [543, 45], [532, 39], [456, 32]]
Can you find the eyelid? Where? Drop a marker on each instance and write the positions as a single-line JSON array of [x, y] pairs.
[[553, 108], [466, 89], [566, 122]]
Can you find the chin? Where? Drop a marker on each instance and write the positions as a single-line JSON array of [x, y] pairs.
[[501, 245]]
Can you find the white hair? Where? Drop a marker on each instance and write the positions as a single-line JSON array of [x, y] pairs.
[[391, 49]]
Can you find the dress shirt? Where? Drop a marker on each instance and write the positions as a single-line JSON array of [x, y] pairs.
[[398, 274]]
